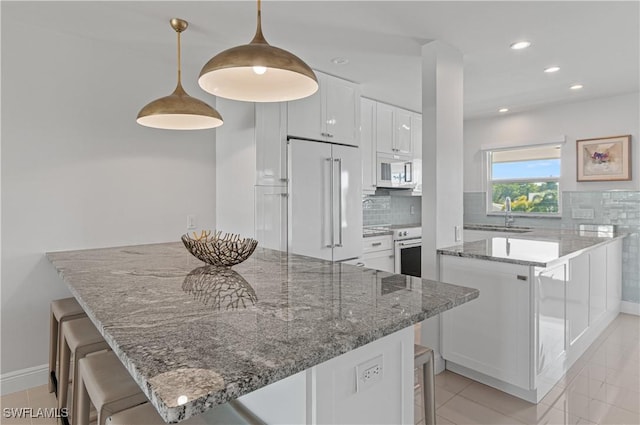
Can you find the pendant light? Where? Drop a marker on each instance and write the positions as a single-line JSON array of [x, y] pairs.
[[258, 72], [179, 111]]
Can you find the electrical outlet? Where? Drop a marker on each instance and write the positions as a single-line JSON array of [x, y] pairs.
[[458, 233], [369, 373], [191, 222], [412, 210]]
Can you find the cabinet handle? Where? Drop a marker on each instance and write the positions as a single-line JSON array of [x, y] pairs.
[[522, 277], [359, 264], [376, 244], [329, 135]]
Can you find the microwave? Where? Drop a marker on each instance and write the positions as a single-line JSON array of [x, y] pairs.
[[395, 171]]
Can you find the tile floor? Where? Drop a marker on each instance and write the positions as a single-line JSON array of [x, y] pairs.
[[603, 387]]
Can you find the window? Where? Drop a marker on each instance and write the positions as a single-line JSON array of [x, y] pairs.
[[529, 176]]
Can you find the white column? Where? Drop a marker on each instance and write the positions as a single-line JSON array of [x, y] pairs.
[[442, 163]]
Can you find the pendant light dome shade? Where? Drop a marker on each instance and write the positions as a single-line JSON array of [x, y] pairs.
[[179, 111], [258, 72]]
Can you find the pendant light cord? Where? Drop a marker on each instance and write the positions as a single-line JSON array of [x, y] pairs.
[[179, 61], [259, 37]]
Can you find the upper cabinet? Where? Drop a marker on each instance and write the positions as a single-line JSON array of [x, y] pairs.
[[393, 130], [368, 144], [271, 143], [332, 114]]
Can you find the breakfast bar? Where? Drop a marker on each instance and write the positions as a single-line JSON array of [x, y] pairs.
[[194, 336]]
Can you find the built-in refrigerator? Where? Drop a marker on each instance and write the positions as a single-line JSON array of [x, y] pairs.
[[324, 200]]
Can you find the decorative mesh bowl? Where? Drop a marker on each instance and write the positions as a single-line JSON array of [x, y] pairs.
[[221, 249]]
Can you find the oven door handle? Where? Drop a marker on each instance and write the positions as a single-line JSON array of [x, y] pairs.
[[409, 244]]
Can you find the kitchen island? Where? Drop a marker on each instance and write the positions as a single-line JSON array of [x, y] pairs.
[[546, 295], [194, 336]]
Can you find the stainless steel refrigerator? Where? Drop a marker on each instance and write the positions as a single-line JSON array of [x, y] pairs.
[[325, 200]]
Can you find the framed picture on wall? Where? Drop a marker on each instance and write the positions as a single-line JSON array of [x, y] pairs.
[[604, 159]]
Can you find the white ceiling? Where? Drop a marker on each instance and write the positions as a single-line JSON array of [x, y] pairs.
[[596, 43]]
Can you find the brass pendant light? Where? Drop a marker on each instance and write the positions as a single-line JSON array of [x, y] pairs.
[[258, 72], [179, 111]]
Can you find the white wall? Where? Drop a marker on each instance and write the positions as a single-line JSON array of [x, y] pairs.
[[78, 172], [610, 116], [236, 168]]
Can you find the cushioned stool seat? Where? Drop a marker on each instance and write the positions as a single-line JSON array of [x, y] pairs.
[[61, 311], [79, 337], [423, 358], [231, 413], [103, 380]]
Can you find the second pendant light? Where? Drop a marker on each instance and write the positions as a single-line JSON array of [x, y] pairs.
[[258, 72]]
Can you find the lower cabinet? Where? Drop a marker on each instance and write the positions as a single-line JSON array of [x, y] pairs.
[[378, 253], [529, 324]]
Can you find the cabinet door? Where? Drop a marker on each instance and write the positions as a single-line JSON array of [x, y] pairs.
[[271, 144], [341, 111], [368, 144], [416, 146], [402, 128], [614, 275], [597, 283], [577, 297], [490, 334], [304, 116], [380, 260], [384, 128], [550, 316], [271, 217]]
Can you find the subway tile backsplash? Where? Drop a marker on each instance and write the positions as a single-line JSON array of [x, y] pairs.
[[621, 208], [384, 209]]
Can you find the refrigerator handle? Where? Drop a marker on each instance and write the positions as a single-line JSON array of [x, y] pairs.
[[339, 161], [331, 221]]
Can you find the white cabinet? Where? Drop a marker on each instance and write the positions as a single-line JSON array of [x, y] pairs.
[[597, 283], [331, 114], [416, 146], [368, 144], [529, 324], [577, 297], [393, 130], [614, 275], [378, 253], [271, 144], [491, 334], [271, 216]]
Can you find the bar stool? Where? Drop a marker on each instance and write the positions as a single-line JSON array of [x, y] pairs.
[[79, 337], [423, 357], [230, 413], [61, 311], [104, 382]]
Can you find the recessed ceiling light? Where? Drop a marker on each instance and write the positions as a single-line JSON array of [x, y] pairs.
[[340, 61], [503, 110], [576, 87], [552, 69], [519, 45]]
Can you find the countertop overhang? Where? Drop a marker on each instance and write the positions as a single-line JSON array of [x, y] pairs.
[[188, 331]]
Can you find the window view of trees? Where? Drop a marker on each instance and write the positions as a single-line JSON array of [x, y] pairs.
[[539, 197]]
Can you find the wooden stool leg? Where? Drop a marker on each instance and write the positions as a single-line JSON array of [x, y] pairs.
[[428, 392], [81, 416], [53, 352]]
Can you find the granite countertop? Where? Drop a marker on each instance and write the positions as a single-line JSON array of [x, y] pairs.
[[192, 332], [535, 247]]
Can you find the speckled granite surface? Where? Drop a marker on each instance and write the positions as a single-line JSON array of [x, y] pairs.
[[191, 332], [539, 247]]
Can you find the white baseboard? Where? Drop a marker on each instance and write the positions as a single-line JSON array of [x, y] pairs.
[[630, 308], [23, 379], [439, 363]]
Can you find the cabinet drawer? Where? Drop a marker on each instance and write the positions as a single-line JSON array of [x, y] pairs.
[[377, 243]]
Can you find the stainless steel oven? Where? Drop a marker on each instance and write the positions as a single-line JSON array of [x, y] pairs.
[[408, 251]]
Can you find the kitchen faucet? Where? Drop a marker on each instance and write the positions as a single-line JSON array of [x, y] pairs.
[[508, 217]]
